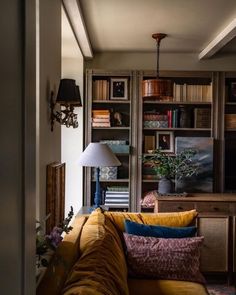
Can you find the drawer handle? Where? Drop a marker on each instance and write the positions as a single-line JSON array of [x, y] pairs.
[[216, 209], [180, 208]]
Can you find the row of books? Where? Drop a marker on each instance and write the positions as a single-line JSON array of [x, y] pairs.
[[100, 90], [230, 121], [101, 118], [179, 118], [192, 93], [117, 197]]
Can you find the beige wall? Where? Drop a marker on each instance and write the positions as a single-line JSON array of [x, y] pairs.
[[72, 139], [17, 210], [168, 61], [49, 74]]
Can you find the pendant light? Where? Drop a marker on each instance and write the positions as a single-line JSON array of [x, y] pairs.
[[159, 88]]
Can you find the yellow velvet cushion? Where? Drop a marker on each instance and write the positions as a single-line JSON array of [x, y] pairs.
[[101, 268], [177, 219], [165, 287]]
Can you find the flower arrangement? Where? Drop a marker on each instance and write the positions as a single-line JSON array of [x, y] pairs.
[[44, 243]]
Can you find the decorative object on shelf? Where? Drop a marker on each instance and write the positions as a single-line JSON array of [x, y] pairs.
[[203, 181], [165, 141], [44, 242], [169, 167], [119, 89], [160, 89], [68, 96], [98, 155], [117, 119]]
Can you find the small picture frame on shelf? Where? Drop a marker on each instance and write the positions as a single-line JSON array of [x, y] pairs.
[[165, 141], [232, 92], [119, 89]]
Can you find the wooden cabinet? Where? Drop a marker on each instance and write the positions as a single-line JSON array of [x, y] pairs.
[[216, 221], [215, 249]]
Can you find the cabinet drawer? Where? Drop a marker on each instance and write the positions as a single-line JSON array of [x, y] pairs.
[[213, 207], [174, 206]]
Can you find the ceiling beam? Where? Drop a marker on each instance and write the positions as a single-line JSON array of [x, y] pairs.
[[74, 14], [220, 41]]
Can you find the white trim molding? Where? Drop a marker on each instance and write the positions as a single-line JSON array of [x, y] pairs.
[[220, 41], [76, 20]]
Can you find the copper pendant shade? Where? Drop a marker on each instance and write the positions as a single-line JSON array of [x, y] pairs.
[[159, 88]]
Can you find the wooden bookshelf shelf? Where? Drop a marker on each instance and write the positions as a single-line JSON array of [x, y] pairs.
[[175, 129], [113, 180], [112, 128], [111, 101], [177, 102]]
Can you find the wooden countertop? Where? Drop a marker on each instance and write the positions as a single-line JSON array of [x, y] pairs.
[[192, 197]]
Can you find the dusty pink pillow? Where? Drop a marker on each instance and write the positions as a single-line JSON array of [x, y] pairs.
[[176, 259]]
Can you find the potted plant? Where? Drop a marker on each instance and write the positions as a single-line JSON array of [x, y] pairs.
[[171, 166]]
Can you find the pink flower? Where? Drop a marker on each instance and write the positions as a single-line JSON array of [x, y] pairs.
[[54, 238]]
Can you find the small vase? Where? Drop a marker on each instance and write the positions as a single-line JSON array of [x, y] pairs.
[[165, 186]]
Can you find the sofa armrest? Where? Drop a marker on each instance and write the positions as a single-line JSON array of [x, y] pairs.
[[62, 261]]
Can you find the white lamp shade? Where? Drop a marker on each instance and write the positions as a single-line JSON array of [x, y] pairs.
[[98, 155]]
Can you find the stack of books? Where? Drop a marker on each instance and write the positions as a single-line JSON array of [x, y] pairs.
[[101, 118], [117, 197], [100, 90], [155, 120]]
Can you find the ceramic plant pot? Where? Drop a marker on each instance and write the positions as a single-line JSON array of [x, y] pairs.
[[165, 186]]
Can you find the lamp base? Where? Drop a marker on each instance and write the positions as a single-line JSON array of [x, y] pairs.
[[94, 207]]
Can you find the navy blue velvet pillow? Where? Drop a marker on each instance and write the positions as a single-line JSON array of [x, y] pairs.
[[158, 231]]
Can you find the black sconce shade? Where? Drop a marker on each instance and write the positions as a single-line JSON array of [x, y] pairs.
[[68, 93]]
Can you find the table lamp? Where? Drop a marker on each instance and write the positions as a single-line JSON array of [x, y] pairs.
[[98, 155]]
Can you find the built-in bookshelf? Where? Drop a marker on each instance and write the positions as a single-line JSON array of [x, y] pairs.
[[138, 122], [108, 118], [230, 133]]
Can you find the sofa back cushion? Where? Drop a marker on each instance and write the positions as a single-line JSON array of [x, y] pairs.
[[176, 259], [63, 260], [101, 268], [177, 219], [159, 231]]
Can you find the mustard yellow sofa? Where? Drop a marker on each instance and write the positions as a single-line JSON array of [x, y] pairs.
[[91, 258]]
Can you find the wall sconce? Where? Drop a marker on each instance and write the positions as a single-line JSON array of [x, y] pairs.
[[68, 96]]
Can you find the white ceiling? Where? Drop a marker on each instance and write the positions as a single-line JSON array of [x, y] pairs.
[[127, 25]]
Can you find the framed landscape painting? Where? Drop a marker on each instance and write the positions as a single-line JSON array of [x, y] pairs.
[[203, 181]]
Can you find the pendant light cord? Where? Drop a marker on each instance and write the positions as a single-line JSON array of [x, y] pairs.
[[158, 51]]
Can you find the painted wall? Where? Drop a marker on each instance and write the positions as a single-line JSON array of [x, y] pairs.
[[168, 61], [17, 169], [49, 74], [72, 139]]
